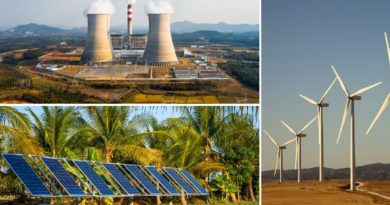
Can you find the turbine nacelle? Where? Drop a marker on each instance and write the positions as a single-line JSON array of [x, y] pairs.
[[356, 97], [323, 104], [301, 135]]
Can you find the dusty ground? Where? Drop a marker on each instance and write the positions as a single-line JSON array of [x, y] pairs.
[[326, 193]]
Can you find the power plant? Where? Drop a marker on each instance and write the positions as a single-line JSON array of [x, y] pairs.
[[159, 48], [98, 48]]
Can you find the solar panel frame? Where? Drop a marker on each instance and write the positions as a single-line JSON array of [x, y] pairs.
[[118, 180], [97, 177], [34, 174], [180, 181], [162, 182], [153, 193], [193, 181], [69, 177]]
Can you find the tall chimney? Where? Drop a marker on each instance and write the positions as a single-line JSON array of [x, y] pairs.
[[159, 48], [98, 48], [129, 19]]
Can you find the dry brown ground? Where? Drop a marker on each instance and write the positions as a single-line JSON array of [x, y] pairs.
[[326, 193]]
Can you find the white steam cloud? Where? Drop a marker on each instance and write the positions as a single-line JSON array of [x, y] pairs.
[[132, 2], [100, 7], [159, 7]]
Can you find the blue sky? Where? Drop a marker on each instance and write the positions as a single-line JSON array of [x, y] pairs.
[[70, 12], [301, 40]]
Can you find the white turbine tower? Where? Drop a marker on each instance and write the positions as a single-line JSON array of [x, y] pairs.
[[386, 103], [298, 150], [320, 105], [279, 156], [350, 104]]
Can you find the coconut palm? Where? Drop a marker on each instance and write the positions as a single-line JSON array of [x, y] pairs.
[[15, 132], [240, 146], [111, 129], [55, 128]]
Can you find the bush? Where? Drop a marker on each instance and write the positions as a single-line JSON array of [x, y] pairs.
[[245, 72]]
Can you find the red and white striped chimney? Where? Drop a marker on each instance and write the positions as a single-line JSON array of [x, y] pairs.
[[129, 19]]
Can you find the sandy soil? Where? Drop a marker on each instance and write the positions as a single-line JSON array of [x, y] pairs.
[[326, 193]]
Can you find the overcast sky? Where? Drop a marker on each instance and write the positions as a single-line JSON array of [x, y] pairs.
[[69, 13], [301, 40]]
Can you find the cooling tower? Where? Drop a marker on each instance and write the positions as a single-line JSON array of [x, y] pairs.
[[98, 48], [159, 48]]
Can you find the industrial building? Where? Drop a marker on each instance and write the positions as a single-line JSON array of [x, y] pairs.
[[159, 49], [137, 41], [118, 41]]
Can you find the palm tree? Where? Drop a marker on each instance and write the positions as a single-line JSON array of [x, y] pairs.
[[118, 136], [56, 127], [15, 132], [240, 146]]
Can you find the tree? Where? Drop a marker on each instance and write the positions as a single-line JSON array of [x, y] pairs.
[[56, 127], [15, 132], [110, 129], [240, 147]]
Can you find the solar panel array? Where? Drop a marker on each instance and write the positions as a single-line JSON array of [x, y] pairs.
[[179, 180], [94, 178], [63, 177], [27, 175], [190, 178], [163, 181], [141, 178], [120, 178], [148, 178]]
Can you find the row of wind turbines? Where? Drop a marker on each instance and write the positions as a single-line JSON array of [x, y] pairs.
[[320, 104]]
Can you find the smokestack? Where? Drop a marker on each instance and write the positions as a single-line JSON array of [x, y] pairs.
[[98, 48], [129, 19], [159, 49]]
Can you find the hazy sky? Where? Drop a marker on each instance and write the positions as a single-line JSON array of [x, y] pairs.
[[70, 12], [301, 39]]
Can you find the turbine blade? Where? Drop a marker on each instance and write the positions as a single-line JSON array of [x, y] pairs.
[[387, 47], [288, 127], [385, 104], [288, 142], [340, 81], [276, 163], [270, 137], [308, 124], [363, 90], [327, 91], [311, 101], [343, 120]]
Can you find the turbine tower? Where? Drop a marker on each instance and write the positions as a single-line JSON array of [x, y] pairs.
[[320, 105], [279, 156], [350, 104], [298, 144]]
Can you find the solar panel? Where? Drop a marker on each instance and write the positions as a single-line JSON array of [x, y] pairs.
[[141, 178], [177, 178], [163, 181], [63, 177], [120, 178], [94, 178], [190, 178], [27, 175]]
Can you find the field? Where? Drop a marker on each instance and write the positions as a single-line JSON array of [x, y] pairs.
[[325, 193]]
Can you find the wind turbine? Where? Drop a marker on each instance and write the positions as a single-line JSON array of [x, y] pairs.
[[279, 156], [350, 104], [386, 103], [298, 150], [320, 105]]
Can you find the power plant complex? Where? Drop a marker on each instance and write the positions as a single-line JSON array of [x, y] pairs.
[[156, 48]]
